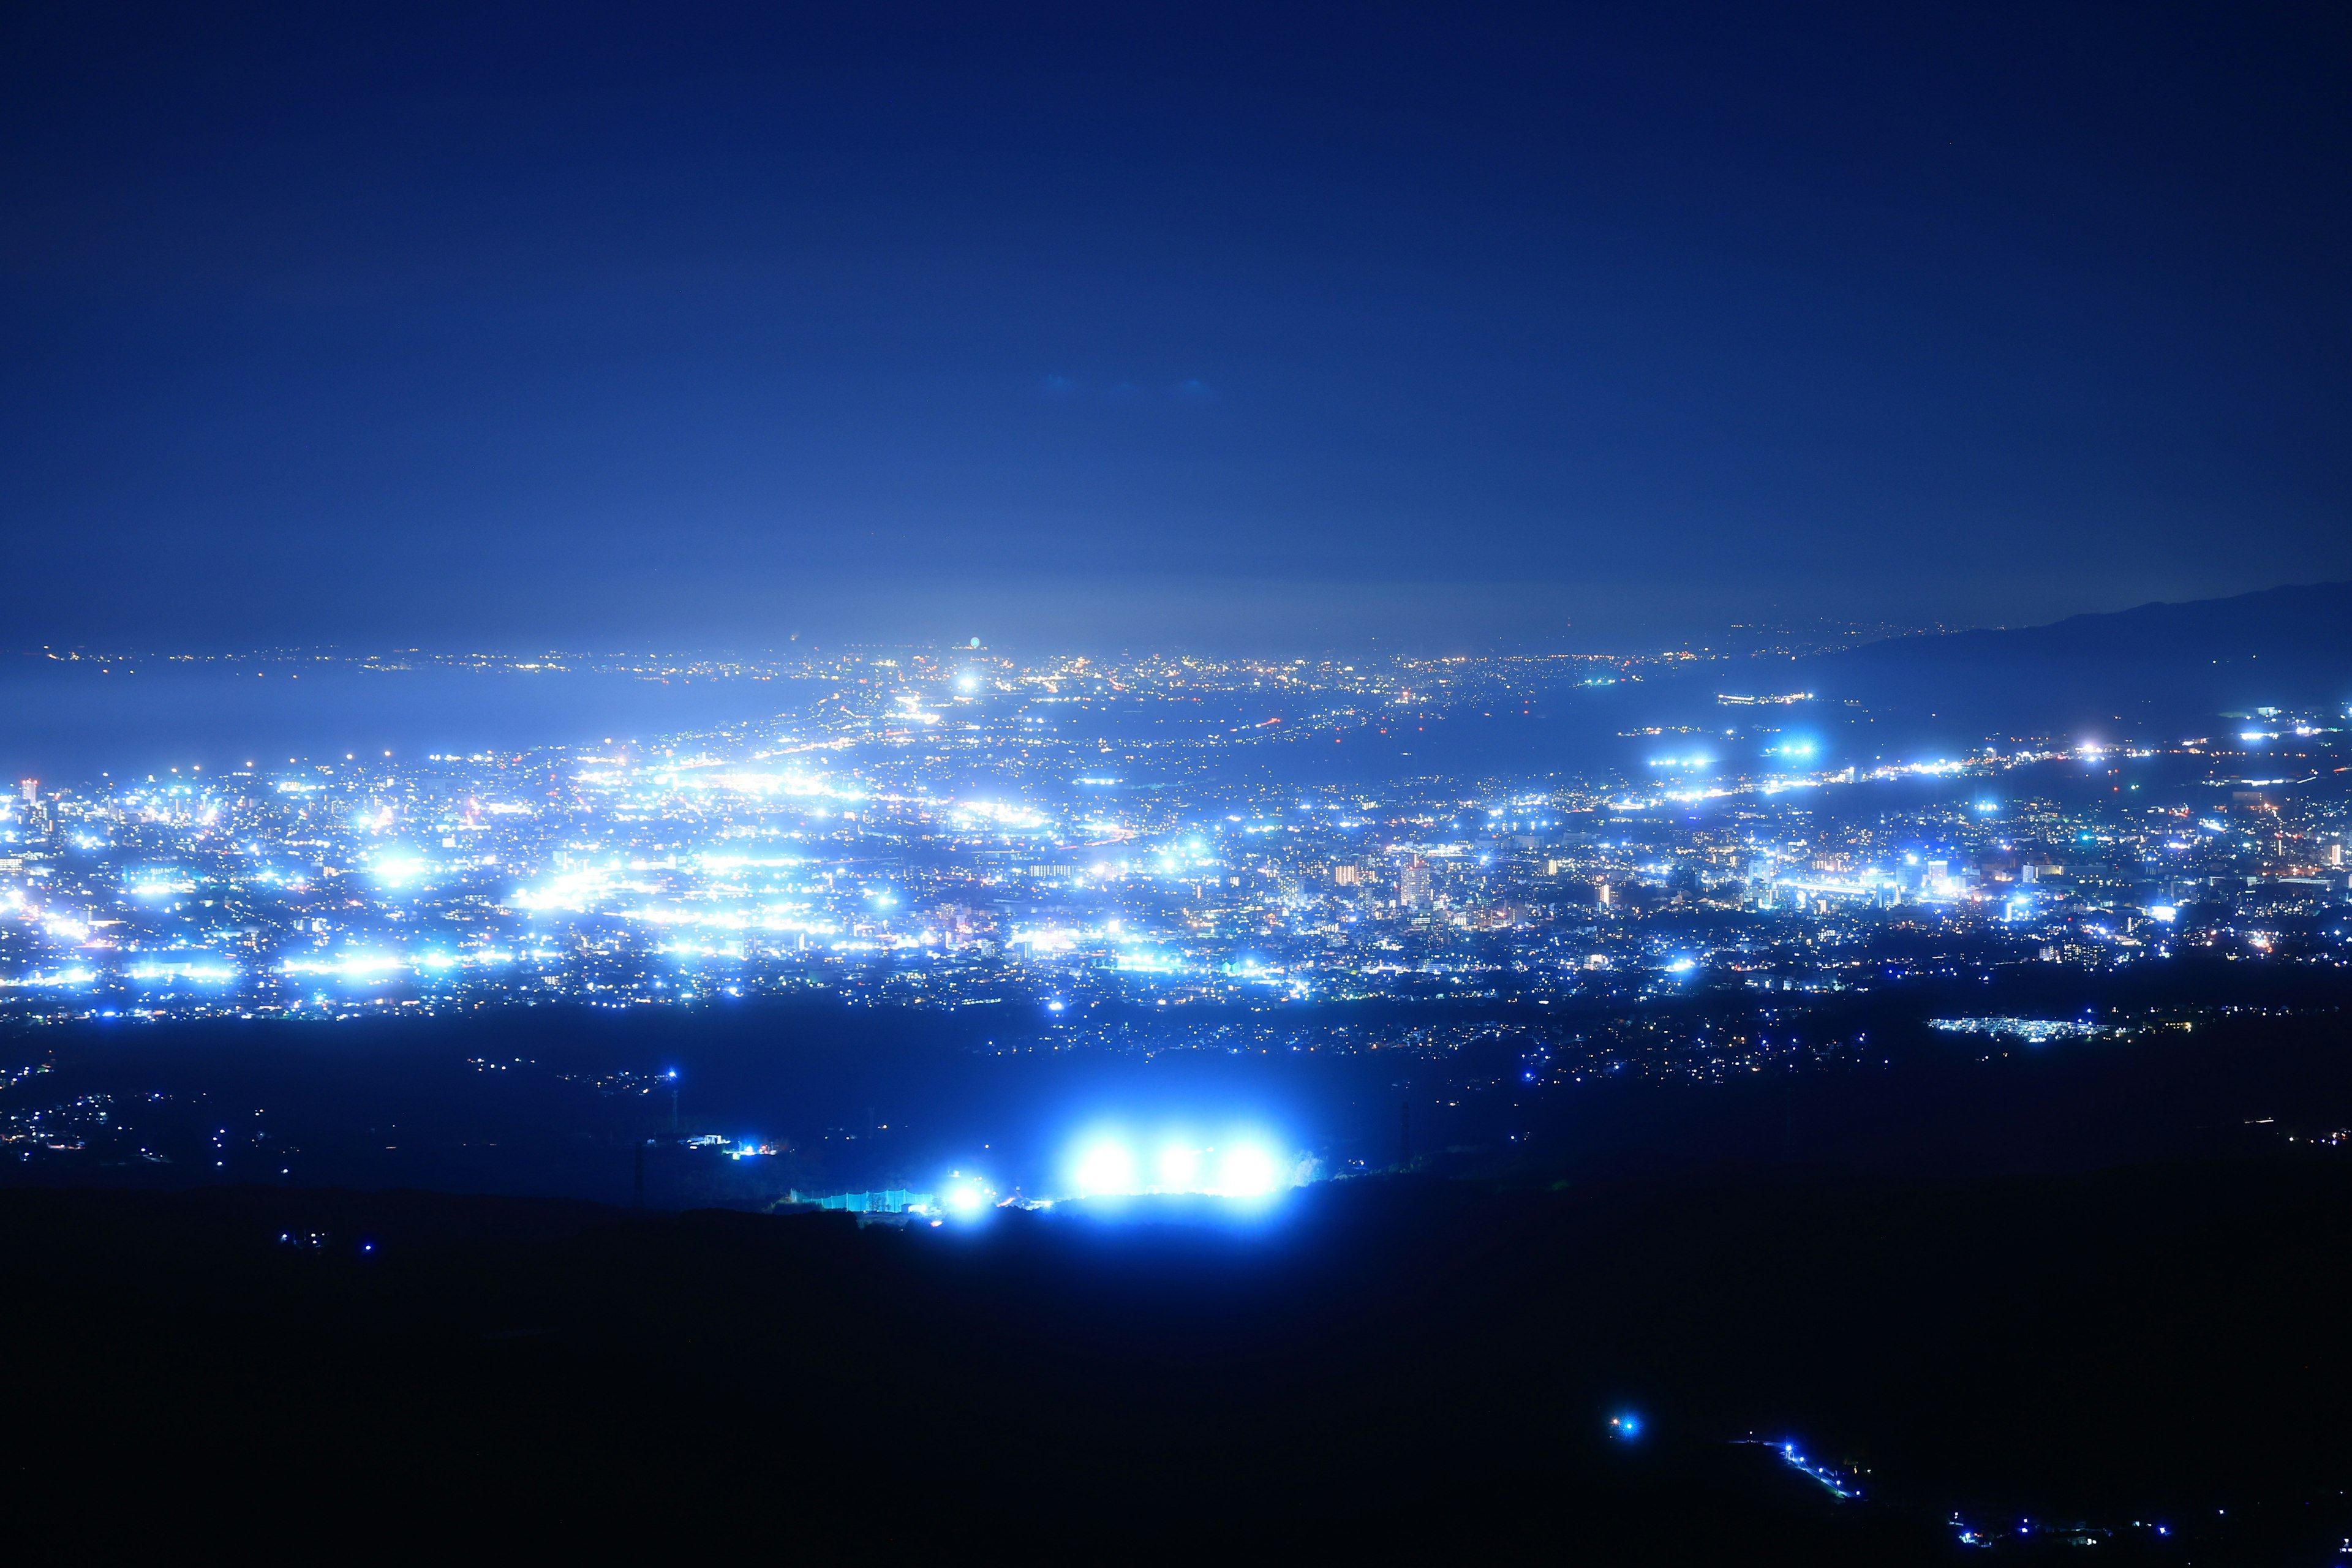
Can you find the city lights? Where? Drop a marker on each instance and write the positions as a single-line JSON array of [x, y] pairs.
[[1075, 844]]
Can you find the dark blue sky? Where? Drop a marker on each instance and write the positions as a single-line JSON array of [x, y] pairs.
[[478, 324]]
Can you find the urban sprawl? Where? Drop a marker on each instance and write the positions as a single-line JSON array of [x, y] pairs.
[[951, 829]]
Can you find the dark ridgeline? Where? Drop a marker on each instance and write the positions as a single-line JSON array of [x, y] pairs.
[[2155, 668], [1407, 1367]]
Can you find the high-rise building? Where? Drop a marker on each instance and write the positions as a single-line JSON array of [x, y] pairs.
[[1413, 885]]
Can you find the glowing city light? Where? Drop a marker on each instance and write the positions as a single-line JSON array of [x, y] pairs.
[[198, 971], [1073, 873]]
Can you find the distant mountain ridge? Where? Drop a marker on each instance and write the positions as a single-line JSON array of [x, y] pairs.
[[2156, 667], [2312, 622]]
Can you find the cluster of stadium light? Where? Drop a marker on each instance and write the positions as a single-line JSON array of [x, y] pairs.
[[1240, 1168]]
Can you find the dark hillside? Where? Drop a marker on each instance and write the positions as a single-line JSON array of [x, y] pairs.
[[2160, 665], [1392, 1367]]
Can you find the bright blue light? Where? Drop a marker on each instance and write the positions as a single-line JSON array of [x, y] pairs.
[[1627, 1425], [1248, 1172], [1106, 1168], [966, 1200], [1180, 1168]]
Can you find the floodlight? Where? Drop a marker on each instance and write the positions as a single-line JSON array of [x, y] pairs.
[[1248, 1172], [1107, 1168], [1180, 1168]]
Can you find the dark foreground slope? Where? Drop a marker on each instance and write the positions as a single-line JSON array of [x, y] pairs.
[[1391, 1367]]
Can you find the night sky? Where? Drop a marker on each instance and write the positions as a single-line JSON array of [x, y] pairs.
[[475, 325]]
